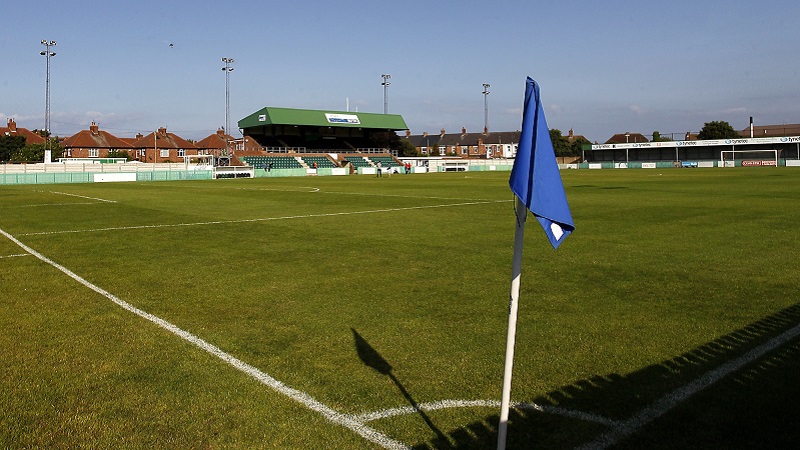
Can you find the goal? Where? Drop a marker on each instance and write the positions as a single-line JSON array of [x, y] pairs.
[[749, 158]]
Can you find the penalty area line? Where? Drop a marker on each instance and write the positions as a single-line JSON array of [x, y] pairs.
[[265, 379]]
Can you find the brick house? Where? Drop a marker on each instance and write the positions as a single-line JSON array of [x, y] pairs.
[[215, 144], [94, 143], [467, 145], [161, 146]]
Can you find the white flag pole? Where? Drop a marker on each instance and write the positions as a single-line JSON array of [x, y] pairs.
[[516, 269]]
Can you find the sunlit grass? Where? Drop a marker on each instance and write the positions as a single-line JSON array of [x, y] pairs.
[[280, 273]]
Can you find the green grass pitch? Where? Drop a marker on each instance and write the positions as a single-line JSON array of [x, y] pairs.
[[385, 300]]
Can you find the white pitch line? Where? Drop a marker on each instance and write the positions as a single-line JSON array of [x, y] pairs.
[[446, 404], [664, 404], [265, 379], [14, 256], [263, 219], [83, 196]]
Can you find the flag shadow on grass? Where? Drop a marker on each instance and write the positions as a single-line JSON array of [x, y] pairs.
[[370, 357], [755, 406]]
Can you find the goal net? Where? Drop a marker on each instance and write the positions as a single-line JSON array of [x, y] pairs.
[[749, 158]]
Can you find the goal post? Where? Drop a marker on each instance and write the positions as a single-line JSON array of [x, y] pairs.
[[749, 158]]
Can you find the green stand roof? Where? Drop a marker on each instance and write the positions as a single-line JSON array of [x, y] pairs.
[[321, 118]]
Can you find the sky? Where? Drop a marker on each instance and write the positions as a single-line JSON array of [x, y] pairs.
[[603, 67]]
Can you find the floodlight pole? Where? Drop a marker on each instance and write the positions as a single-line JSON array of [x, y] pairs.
[[486, 107], [227, 69], [47, 54], [385, 85]]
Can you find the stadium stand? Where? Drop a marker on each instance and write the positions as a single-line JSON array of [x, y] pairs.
[[322, 161], [357, 161], [278, 162]]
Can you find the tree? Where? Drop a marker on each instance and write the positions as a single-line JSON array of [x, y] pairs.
[[9, 145], [392, 141], [35, 152], [560, 143], [657, 137], [407, 148], [576, 146], [120, 154], [717, 130]]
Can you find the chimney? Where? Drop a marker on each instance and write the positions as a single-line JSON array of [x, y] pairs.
[[408, 133], [424, 134], [220, 132], [12, 126], [485, 131], [571, 135], [139, 135], [463, 131], [94, 128], [162, 130], [442, 132]]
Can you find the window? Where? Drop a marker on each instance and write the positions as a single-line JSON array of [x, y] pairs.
[[181, 152], [94, 153], [464, 150], [164, 153]]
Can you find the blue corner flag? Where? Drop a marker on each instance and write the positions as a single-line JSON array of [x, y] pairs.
[[535, 179]]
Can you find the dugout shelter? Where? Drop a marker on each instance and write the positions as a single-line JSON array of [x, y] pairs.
[[281, 130]]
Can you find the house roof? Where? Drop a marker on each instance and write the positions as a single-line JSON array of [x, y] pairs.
[[162, 140], [627, 138], [95, 138], [322, 118], [218, 140], [12, 130], [492, 138], [460, 139], [791, 129]]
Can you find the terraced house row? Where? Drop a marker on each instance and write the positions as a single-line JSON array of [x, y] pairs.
[[156, 147]]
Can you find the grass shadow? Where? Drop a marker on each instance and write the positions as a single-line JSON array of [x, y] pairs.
[[371, 358], [754, 406]]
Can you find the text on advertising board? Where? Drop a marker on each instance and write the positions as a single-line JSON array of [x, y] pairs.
[[342, 118]]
